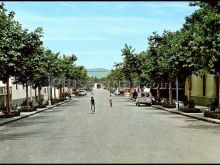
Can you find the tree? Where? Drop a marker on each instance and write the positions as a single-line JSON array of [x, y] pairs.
[[66, 66], [25, 65], [130, 64], [116, 74], [201, 39], [11, 39], [155, 71], [143, 58]]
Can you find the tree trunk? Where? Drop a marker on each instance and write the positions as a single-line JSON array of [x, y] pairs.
[[131, 83], [39, 95], [60, 92], [218, 86], [8, 108], [68, 86], [35, 93], [190, 87], [170, 93], [27, 101], [54, 93], [158, 92]]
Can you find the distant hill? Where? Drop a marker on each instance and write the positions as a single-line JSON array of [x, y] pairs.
[[98, 72]]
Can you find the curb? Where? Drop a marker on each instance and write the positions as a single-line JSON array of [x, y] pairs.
[[215, 121], [21, 116]]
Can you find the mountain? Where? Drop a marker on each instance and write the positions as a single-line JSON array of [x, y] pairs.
[[98, 72]]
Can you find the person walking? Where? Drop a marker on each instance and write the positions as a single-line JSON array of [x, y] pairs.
[[110, 100], [92, 102]]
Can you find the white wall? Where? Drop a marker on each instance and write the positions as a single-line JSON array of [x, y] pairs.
[[18, 92]]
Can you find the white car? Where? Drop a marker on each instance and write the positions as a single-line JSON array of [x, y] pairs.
[[116, 92], [144, 98], [82, 93]]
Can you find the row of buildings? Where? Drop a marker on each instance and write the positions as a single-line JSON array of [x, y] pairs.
[[18, 93], [203, 88]]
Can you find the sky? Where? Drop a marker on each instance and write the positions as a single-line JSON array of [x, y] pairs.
[[96, 31]]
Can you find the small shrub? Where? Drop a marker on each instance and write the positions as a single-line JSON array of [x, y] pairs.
[[28, 109], [165, 103], [3, 108], [41, 106], [190, 110], [211, 114], [24, 103], [40, 102], [12, 113], [189, 103], [213, 104]]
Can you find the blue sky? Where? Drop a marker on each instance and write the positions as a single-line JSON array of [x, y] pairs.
[[96, 31]]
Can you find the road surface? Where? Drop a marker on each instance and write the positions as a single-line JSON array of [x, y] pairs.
[[125, 133]]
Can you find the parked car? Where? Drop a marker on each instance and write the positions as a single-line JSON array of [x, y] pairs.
[[116, 92], [144, 98], [82, 93]]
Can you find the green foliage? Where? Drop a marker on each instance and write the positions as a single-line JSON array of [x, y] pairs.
[[191, 103], [190, 110], [131, 64], [23, 57], [165, 103], [215, 115], [203, 27], [213, 104]]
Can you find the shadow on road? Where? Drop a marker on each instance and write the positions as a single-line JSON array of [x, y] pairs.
[[142, 105], [65, 105], [34, 120], [129, 105], [211, 127], [17, 136]]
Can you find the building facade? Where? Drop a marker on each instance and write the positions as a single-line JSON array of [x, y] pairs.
[[203, 88], [18, 93]]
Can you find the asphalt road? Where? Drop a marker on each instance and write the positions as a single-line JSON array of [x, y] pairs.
[[125, 133]]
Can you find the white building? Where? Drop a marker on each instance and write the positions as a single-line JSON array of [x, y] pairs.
[[97, 85], [18, 93]]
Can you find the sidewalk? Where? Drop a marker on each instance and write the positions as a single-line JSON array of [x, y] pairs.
[[26, 114], [198, 116]]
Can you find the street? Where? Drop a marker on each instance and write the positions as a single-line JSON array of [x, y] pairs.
[[125, 133]]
